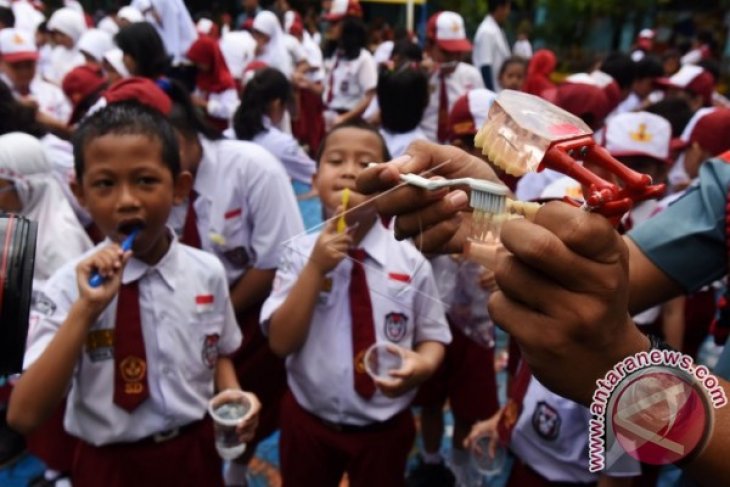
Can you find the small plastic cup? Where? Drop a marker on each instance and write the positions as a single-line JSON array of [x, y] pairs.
[[483, 461], [228, 409], [382, 358]]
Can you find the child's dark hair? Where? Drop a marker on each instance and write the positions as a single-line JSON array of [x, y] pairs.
[[495, 4], [184, 115], [127, 118], [354, 37], [676, 110], [403, 97], [405, 50], [620, 67], [7, 17], [648, 67], [267, 85], [509, 62], [141, 41], [356, 123], [16, 117]]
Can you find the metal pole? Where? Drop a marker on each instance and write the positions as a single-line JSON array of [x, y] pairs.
[[409, 15]]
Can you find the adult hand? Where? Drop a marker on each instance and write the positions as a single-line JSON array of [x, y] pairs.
[[439, 220], [563, 295]]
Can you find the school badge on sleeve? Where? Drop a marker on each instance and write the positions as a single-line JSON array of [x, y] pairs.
[[395, 326], [210, 349], [546, 421]]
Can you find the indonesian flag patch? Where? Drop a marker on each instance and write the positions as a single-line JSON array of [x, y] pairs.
[[204, 302]]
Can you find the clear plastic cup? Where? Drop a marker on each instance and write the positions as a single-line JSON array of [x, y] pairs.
[[382, 358], [228, 409], [483, 461]]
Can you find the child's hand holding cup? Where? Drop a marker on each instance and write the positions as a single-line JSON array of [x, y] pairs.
[[235, 416]]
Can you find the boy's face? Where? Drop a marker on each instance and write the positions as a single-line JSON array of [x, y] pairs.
[[126, 185], [347, 153], [20, 73]]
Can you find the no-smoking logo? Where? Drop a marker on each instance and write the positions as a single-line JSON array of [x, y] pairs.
[[660, 416]]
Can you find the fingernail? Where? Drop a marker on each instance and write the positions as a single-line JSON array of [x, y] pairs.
[[400, 161], [457, 198]]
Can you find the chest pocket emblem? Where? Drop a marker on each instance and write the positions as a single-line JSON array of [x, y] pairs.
[[395, 326], [210, 350]]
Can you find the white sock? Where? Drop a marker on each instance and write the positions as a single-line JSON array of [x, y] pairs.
[[431, 458], [234, 474], [459, 457]]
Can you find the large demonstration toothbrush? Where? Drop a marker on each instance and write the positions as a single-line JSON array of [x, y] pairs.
[[97, 279]]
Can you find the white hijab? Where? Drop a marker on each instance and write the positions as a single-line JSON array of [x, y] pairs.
[[275, 52], [61, 238]]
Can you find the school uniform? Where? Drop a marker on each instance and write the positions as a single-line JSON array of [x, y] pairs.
[[50, 98], [62, 61], [444, 91], [329, 424], [398, 143], [298, 165], [244, 211], [550, 441], [216, 86], [347, 81], [138, 430]]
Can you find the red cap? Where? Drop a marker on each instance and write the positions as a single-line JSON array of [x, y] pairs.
[[694, 79], [446, 29], [81, 82], [581, 99], [343, 8], [712, 132], [139, 89], [16, 46]]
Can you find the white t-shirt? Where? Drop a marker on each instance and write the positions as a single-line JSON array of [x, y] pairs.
[[183, 339], [406, 311], [490, 48], [464, 78], [349, 79]]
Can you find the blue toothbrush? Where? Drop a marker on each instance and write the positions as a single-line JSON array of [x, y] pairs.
[[96, 279]]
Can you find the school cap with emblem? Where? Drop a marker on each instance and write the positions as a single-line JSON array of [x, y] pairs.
[[470, 112], [694, 79], [343, 8], [446, 29], [16, 46], [639, 134]]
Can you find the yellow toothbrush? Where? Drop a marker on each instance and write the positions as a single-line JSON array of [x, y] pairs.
[[341, 224]]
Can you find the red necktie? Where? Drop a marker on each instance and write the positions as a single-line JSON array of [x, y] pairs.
[[190, 235], [331, 80], [443, 120], [363, 325], [130, 359], [513, 408]]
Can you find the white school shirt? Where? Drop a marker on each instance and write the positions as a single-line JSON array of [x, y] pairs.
[[239, 49], [463, 79], [349, 79], [551, 436], [177, 30], [222, 104], [398, 143], [187, 322], [246, 209], [406, 311], [490, 48], [50, 98]]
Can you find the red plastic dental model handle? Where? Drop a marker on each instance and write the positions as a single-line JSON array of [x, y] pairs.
[[606, 198]]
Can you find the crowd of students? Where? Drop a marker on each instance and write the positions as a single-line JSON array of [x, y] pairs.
[[205, 141]]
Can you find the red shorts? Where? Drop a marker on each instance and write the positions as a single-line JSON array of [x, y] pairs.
[[260, 371], [189, 459], [314, 453], [52, 444], [466, 378]]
